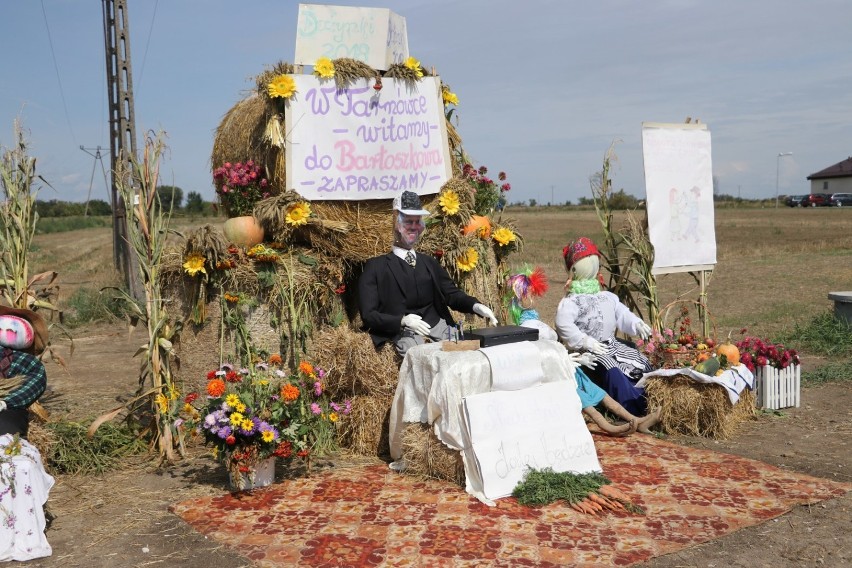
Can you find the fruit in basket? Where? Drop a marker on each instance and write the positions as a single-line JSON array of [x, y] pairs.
[[703, 356], [708, 367], [709, 342], [730, 351]]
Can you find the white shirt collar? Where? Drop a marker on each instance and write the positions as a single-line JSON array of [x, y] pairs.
[[401, 252]]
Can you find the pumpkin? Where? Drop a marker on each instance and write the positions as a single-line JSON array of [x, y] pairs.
[[478, 225], [731, 353]]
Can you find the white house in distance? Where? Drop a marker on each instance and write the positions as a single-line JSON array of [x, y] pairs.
[[833, 179]]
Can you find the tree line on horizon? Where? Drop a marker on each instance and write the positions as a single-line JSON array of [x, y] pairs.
[[168, 196]]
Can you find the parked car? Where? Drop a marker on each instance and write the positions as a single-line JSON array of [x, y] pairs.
[[816, 200], [794, 200], [840, 199]]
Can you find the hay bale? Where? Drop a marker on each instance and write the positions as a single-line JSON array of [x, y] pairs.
[[352, 364], [697, 409], [426, 456], [41, 437], [365, 430]]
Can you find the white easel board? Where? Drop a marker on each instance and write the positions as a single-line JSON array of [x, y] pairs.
[[679, 196]]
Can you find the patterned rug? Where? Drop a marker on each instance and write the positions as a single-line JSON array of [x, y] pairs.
[[371, 516]]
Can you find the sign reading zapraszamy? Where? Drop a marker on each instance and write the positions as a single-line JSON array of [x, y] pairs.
[[360, 143]]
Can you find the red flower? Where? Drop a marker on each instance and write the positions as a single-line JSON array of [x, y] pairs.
[[233, 377], [191, 397], [230, 440], [340, 289], [211, 375], [303, 453]]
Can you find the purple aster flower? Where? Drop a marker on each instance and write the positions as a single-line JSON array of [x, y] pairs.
[[335, 407], [224, 432], [315, 408], [317, 388]]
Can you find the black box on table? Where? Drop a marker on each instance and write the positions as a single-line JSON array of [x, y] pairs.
[[502, 334]]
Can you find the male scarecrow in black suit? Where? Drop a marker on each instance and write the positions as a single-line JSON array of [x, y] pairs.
[[405, 297]]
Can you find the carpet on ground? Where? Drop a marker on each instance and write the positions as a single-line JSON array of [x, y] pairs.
[[372, 516]]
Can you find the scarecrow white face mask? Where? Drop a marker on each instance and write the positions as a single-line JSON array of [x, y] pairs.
[[15, 333], [407, 230]]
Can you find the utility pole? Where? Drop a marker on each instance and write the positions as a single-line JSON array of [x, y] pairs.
[[552, 203], [98, 158], [122, 126]]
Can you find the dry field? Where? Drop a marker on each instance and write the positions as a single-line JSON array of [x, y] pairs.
[[775, 267]]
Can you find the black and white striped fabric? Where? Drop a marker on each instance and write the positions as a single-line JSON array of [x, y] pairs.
[[621, 356]]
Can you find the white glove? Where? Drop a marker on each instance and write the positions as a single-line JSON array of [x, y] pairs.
[[2, 405], [643, 330], [416, 324], [485, 311], [593, 345], [586, 359]]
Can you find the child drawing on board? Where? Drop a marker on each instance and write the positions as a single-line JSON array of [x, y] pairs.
[[523, 288], [693, 213], [675, 207]]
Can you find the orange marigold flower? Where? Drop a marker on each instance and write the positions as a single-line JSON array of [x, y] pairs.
[[306, 367], [216, 388], [275, 359], [289, 392]]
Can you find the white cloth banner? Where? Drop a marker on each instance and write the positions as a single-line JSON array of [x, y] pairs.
[[679, 191], [514, 366], [24, 486], [734, 379], [535, 428], [360, 143]]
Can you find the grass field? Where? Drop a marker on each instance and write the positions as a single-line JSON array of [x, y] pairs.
[[775, 267]]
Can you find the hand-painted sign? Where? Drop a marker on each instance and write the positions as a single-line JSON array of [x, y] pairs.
[[376, 36], [360, 143]]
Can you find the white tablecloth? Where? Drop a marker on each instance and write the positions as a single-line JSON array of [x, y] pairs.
[[24, 486], [432, 384]]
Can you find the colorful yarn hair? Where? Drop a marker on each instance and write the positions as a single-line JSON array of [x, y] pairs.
[[526, 284]]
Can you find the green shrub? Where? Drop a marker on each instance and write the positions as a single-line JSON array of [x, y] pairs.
[[828, 373], [63, 224], [87, 305], [823, 335]]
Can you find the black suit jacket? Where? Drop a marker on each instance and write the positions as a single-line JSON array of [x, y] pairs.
[[381, 295]]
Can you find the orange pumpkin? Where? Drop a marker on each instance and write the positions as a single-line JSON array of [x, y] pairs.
[[703, 356], [479, 225], [730, 351]]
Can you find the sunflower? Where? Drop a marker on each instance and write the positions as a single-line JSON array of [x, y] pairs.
[[468, 260], [268, 435], [282, 86], [298, 213], [449, 202], [449, 97], [194, 264], [324, 68], [162, 403], [503, 236], [414, 65]]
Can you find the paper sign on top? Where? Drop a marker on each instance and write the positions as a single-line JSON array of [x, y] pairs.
[[360, 143], [376, 36]]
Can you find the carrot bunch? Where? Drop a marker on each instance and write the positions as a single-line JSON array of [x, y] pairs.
[[588, 493]]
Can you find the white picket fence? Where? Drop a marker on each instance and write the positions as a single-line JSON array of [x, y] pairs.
[[777, 388]]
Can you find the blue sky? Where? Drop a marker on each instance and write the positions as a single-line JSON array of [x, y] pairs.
[[544, 86]]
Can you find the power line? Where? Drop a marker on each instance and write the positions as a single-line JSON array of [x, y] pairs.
[[147, 44], [58, 78]]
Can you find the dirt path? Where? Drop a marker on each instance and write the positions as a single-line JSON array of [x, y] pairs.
[[122, 519]]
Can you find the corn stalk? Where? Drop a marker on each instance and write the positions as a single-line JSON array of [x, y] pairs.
[[628, 253], [147, 230], [18, 220]]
